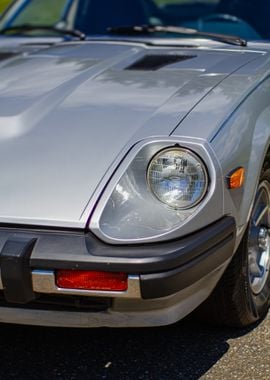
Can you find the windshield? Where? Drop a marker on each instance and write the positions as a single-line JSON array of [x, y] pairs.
[[248, 19]]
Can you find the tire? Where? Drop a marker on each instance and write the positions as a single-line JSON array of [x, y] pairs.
[[242, 297]]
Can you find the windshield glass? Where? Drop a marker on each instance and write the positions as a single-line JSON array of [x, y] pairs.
[[248, 19]]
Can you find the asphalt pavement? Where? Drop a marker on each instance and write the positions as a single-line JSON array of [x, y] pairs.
[[187, 350]]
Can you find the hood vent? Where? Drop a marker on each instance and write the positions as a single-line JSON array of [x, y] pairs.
[[8, 55], [156, 62]]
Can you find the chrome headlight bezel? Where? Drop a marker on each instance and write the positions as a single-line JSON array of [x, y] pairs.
[[196, 158]]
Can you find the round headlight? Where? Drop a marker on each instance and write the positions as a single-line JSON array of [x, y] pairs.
[[178, 178]]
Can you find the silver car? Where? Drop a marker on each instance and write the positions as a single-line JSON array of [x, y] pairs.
[[135, 163]]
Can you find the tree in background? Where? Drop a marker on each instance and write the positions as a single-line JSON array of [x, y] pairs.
[[4, 4]]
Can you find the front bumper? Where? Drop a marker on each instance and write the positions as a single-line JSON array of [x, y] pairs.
[[159, 274]]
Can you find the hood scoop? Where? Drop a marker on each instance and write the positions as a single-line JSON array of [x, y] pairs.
[[157, 61]]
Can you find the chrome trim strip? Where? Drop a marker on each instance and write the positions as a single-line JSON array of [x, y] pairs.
[[44, 282]]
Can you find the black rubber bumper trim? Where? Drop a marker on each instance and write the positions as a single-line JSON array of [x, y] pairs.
[[167, 283], [15, 269], [85, 252], [164, 268]]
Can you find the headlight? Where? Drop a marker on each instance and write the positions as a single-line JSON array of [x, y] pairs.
[[178, 178]]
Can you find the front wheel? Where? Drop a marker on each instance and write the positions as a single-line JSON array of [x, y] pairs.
[[242, 297]]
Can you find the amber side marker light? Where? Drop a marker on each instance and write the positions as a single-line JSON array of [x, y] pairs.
[[236, 178], [91, 280]]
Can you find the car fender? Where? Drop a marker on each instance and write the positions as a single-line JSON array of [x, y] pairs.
[[244, 141]]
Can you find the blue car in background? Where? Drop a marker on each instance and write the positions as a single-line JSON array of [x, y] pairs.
[[248, 19]]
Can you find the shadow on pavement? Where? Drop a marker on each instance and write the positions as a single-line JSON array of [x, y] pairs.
[[186, 350]]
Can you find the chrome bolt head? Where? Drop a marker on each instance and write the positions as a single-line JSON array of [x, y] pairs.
[[263, 237]]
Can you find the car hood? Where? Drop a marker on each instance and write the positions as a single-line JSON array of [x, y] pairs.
[[68, 113]]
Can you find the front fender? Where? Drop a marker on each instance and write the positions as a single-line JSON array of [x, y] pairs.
[[243, 141]]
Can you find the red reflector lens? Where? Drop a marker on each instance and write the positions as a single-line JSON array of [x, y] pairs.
[[88, 280]]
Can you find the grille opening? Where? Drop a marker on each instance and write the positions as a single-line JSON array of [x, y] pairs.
[[156, 62]]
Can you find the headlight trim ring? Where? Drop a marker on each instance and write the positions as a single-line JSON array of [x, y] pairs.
[[194, 157]]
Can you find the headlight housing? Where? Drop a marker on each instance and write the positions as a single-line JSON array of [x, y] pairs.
[[133, 209], [178, 178]]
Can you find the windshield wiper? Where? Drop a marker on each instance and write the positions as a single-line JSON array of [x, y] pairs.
[[29, 28], [148, 29]]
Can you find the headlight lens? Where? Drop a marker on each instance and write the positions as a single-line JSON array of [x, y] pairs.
[[178, 178]]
